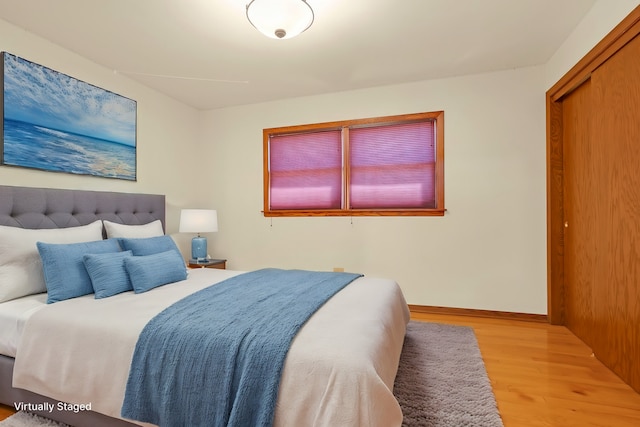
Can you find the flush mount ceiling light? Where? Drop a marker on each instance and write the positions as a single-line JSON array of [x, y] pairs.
[[280, 19]]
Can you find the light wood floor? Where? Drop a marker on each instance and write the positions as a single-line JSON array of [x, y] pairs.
[[5, 412], [542, 376]]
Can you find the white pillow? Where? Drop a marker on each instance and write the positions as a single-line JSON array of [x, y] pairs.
[[115, 230], [20, 264]]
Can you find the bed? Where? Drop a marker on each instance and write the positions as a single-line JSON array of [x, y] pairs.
[[339, 369]]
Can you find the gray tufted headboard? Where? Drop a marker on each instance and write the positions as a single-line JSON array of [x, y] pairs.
[[29, 207]]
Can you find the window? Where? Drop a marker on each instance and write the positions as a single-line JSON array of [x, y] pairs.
[[381, 166]]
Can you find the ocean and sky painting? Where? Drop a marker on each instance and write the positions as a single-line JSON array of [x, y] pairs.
[[54, 122]]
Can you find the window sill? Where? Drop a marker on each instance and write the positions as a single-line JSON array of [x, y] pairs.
[[378, 212]]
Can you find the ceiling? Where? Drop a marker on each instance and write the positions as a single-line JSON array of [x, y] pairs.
[[207, 55]]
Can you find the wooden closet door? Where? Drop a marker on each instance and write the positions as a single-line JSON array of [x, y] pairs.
[[593, 182], [616, 96], [601, 143], [581, 199]]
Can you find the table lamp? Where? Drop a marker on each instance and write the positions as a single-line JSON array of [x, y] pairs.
[[198, 221]]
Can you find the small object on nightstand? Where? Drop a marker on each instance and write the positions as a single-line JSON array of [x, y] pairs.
[[208, 263], [198, 221]]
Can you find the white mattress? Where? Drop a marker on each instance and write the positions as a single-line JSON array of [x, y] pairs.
[[13, 316], [339, 370]]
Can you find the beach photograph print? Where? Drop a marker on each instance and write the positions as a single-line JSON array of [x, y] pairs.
[[54, 122]]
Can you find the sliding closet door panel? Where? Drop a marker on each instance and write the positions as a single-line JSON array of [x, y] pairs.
[[580, 199], [616, 131]]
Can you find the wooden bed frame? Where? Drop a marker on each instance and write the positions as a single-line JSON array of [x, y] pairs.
[[37, 208]]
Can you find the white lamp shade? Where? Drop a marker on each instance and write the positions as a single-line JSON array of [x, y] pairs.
[[198, 221], [280, 19]]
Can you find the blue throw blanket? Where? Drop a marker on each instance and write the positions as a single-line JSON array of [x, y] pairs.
[[215, 357]]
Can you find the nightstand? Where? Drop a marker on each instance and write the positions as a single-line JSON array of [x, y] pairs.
[[212, 263]]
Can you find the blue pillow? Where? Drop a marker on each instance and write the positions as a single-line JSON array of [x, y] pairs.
[[150, 271], [107, 273], [149, 245], [63, 267]]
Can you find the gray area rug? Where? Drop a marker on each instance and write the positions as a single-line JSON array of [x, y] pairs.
[[23, 419], [441, 381]]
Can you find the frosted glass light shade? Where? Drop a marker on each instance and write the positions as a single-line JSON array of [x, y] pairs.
[[198, 221], [280, 19]]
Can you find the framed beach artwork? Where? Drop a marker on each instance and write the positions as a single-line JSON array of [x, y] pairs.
[[53, 122]]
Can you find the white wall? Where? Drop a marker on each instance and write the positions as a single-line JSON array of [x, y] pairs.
[[166, 130], [601, 19], [487, 252]]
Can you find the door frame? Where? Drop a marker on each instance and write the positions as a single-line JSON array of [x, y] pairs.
[[624, 32]]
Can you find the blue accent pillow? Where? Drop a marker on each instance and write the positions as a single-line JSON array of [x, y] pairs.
[[149, 245], [107, 273], [150, 271], [63, 267]]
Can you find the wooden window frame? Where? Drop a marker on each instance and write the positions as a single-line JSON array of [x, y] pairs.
[[436, 116]]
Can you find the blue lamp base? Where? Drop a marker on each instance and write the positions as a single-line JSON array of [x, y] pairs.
[[199, 248]]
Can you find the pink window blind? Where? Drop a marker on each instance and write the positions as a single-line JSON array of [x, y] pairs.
[[393, 166], [306, 171]]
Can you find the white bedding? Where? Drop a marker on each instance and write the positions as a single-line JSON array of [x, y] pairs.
[[13, 316], [339, 371]]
